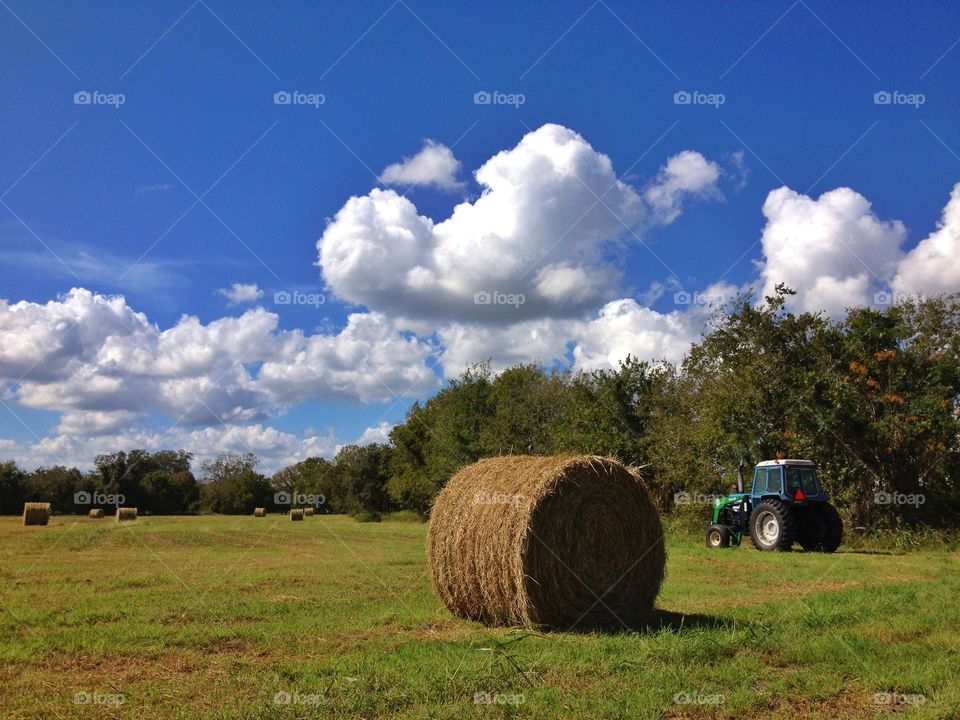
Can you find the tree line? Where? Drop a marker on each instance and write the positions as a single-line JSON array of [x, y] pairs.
[[873, 398]]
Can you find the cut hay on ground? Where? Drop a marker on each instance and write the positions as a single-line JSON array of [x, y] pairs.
[[296, 514], [95, 513], [563, 541], [308, 512], [36, 513], [259, 512], [124, 514]]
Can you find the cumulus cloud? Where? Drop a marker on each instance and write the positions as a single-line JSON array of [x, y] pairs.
[[933, 266], [433, 165], [105, 366], [834, 251], [239, 293], [379, 433], [687, 174]]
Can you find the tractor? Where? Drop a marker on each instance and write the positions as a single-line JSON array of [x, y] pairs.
[[785, 504]]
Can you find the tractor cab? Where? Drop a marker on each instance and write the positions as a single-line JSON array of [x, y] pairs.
[[792, 481]]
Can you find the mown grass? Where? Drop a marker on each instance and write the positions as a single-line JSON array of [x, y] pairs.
[[212, 617]]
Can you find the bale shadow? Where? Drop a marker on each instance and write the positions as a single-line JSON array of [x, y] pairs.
[[652, 622]]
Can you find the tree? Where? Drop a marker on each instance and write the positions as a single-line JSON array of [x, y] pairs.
[[360, 478], [12, 487], [233, 487]]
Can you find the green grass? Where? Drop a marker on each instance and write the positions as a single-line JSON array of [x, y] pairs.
[[212, 617]]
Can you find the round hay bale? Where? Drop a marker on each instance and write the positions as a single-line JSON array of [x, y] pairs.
[[96, 513], [259, 512], [124, 514], [560, 541], [36, 513], [308, 512], [296, 514]]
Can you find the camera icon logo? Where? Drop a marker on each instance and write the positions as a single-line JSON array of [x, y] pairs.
[[882, 98], [281, 498], [482, 298], [882, 498], [281, 97], [481, 98], [282, 297], [882, 298], [81, 698], [81, 98], [682, 298], [282, 698], [81, 498], [681, 98]]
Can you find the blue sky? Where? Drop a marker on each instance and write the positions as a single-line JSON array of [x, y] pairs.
[[782, 167]]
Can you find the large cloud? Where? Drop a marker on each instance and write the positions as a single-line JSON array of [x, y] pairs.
[[834, 251], [104, 366], [550, 210], [933, 266]]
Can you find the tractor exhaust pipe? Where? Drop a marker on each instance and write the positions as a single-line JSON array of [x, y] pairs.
[[740, 477]]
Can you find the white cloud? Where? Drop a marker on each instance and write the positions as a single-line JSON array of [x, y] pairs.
[[103, 365], [433, 165], [686, 174], [241, 293], [379, 433], [834, 251], [933, 266]]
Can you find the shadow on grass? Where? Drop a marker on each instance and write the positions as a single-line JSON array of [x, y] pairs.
[[652, 622]]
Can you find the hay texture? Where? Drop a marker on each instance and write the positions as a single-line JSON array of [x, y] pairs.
[[36, 513], [124, 514], [296, 514], [259, 512], [566, 541], [308, 512], [96, 513]]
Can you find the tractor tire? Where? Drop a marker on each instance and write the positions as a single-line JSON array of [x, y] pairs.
[[718, 536], [819, 528], [772, 525]]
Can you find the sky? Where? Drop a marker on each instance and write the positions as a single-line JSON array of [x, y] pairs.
[[269, 228]]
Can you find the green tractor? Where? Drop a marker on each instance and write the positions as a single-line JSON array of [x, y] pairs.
[[784, 505]]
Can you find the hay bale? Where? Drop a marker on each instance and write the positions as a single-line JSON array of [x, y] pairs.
[[95, 513], [36, 513], [308, 512], [124, 514], [296, 514], [259, 512], [537, 540]]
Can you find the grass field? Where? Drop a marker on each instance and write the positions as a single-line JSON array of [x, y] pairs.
[[236, 617]]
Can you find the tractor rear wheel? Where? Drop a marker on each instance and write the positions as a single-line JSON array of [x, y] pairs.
[[771, 525], [819, 528], [718, 536]]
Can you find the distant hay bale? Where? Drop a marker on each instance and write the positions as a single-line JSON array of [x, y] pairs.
[[296, 514], [36, 513], [95, 513], [259, 512], [308, 512], [124, 514], [567, 541]]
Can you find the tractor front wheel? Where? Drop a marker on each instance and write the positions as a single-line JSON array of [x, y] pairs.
[[771, 525], [718, 536]]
